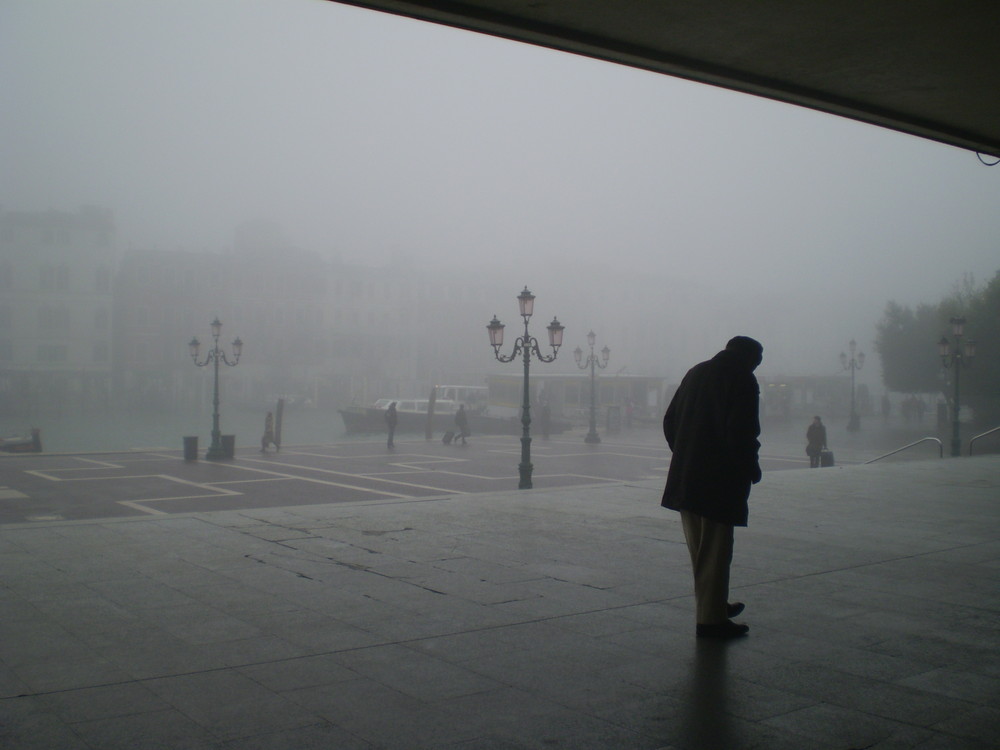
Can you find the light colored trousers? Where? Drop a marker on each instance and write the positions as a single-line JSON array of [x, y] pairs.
[[711, 546]]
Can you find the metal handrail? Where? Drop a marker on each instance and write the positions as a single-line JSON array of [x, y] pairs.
[[984, 434], [918, 442]]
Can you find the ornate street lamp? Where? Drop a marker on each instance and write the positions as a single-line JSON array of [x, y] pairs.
[[956, 360], [592, 362], [525, 345], [215, 355], [856, 362]]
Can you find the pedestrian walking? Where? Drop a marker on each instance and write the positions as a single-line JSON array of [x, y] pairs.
[[815, 441], [546, 420], [462, 423], [712, 427], [268, 437], [391, 418]]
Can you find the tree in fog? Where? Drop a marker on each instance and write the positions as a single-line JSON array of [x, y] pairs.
[[906, 340], [981, 381]]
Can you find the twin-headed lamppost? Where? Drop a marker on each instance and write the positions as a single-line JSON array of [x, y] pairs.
[[592, 362], [525, 345], [216, 355], [960, 357], [856, 362]]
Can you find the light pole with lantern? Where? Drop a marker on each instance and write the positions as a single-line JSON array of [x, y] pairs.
[[956, 360], [216, 355], [525, 345], [856, 362], [592, 362]]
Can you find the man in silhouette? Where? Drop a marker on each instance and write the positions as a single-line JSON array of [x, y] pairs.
[[712, 426]]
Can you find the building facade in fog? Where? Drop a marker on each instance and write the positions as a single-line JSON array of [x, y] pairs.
[[56, 310], [84, 327], [315, 331]]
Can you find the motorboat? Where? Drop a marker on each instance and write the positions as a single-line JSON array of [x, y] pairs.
[[30, 443]]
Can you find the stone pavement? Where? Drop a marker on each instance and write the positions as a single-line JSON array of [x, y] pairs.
[[553, 618]]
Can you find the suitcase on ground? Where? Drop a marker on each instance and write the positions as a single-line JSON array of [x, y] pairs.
[[826, 458], [448, 437]]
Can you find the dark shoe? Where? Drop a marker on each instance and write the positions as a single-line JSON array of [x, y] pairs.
[[723, 630], [734, 609]]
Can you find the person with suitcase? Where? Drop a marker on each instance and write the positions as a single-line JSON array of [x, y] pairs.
[[815, 442]]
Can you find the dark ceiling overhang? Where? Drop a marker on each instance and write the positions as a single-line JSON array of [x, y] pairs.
[[930, 68]]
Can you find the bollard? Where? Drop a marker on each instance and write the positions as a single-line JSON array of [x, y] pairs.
[[191, 448]]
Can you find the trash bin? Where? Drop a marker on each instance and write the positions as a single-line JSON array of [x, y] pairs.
[[229, 446], [191, 448]]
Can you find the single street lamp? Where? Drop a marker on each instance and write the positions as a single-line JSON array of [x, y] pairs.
[[956, 360], [216, 355], [856, 362], [525, 345], [592, 362]]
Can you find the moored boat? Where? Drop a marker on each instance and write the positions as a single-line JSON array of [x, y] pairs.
[[31, 443]]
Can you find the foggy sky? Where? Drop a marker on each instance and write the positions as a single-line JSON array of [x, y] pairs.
[[370, 138]]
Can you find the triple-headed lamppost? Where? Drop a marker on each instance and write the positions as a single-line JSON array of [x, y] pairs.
[[216, 355], [525, 345], [853, 364], [592, 362], [956, 359]]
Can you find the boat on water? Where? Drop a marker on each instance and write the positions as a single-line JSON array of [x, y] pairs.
[[419, 414], [31, 443]]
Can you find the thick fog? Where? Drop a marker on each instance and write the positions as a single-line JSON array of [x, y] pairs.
[[664, 215]]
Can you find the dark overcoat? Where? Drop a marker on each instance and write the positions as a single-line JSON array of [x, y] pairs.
[[712, 426], [815, 439]]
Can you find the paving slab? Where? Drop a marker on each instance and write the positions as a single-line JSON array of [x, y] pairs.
[[512, 620]]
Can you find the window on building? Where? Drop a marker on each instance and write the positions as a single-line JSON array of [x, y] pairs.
[[47, 278], [63, 319], [52, 353], [45, 319], [54, 320], [62, 277], [102, 280]]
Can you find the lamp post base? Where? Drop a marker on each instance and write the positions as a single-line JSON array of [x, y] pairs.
[[215, 453], [217, 450], [592, 437], [525, 471]]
